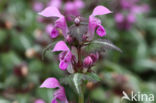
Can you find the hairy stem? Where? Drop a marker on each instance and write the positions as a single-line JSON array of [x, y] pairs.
[[79, 58], [81, 97]]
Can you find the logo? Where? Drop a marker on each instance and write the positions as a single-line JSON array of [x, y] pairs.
[[138, 97]]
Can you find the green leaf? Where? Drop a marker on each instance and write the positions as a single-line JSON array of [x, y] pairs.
[[92, 77], [23, 98], [9, 59], [3, 37], [106, 44], [45, 93], [4, 101], [98, 94], [50, 46], [77, 79]]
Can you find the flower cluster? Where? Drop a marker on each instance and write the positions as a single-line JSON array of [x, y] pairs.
[[126, 16], [77, 37], [70, 9]]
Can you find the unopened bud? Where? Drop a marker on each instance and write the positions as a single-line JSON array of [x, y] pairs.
[[84, 38], [77, 21], [69, 39], [88, 61], [94, 56]]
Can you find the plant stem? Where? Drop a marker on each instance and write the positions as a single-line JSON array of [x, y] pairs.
[[81, 98], [79, 58]]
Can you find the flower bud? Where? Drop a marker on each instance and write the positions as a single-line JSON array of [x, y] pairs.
[[77, 21], [94, 56], [85, 37], [88, 61], [69, 39]]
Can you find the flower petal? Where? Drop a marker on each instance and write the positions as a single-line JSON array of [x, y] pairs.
[[49, 28], [51, 12], [39, 101], [101, 31], [68, 56], [38, 6], [61, 24], [131, 18], [100, 10], [50, 83], [93, 23], [60, 95], [79, 4], [60, 46], [63, 65], [54, 33], [119, 18]]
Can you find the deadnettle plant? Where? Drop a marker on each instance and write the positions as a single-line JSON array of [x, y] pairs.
[[70, 8], [78, 51]]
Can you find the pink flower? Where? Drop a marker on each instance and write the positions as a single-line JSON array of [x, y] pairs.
[[140, 9], [73, 8], [127, 4], [119, 17], [125, 22], [87, 62], [60, 23], [65, 56], [38, 6], [55, 3], [59, 94], [39, 101], [96, 23], [94, 56]]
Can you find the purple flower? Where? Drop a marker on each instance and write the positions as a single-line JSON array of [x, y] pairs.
[[73, 8], [55, 3], [87, 62], [140, 9], [60, 23], [39, 101], [127, 4], [59, 94], [65, 56], [119, 17], [38, 6], [96, 23], [94, 56], [125, 21]]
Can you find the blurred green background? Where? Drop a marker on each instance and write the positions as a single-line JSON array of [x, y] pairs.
[[22, 70]]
